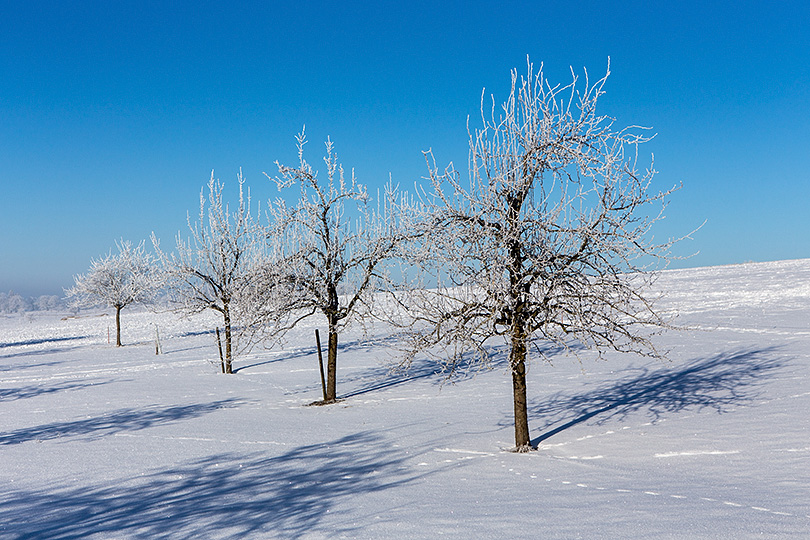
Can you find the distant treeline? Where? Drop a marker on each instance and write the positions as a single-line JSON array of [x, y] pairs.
[[12, 302]]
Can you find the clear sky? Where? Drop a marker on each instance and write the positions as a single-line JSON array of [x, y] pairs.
[[113, 114]]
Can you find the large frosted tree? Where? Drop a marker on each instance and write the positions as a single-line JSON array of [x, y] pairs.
[[548, 243], [212, 267], [328, 250], [117, 281]]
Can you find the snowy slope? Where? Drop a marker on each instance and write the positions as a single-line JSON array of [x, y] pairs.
[[99, 442]]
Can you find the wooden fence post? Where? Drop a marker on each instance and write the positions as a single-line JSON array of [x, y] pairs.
[[320, 362], [219, 346]]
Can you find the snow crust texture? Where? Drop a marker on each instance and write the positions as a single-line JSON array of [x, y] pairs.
[[102, 442]]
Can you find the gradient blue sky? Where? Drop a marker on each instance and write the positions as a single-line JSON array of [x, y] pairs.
[[113, 114]]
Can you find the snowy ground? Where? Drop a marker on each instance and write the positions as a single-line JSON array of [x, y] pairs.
[[99, 442]]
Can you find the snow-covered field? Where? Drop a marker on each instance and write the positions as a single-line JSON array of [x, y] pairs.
[[100, 442]]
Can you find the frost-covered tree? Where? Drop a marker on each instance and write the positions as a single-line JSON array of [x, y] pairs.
[[12, 302], [128, 277], [46, 302], [328, 251], [18, 304], [211, 267], [549, 243]]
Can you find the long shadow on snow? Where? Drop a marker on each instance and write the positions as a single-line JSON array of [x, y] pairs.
[[20, 367], [313, 351], [297, 353], [194, 333], [467, 367], [219, 496], [39, 341], [115, 422], [382, 378], [41, 352], [25, 392], [717, 382]]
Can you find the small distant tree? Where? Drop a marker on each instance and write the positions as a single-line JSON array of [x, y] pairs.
[[548, 243], [46, 302], [117, 281], [328, 251], [211, 268], [12, 302]]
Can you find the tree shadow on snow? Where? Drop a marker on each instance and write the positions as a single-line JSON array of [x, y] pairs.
[[465, 368], [122, 420], [220, 496], [25, 392], [20, 366], [295, 353], [364, 344], [718, 382], [41, 352], [40, 341], [380, 378], [195, 333]]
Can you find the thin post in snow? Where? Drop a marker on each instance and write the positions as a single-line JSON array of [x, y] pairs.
[[219, 346], [320, 362], [158, 348]]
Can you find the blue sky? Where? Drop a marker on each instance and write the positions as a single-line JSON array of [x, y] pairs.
[[113, 114]]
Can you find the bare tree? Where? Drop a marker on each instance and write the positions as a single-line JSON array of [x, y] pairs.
[[211, 268], [117, 281], [328, 250], [550, 241]]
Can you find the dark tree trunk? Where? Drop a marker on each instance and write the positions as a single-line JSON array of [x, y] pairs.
[[518, 362], [332, 318], [227, 316], [117, 326], [331, 365], [519, 290]]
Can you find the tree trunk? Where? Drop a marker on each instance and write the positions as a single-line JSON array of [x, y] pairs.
[[117, 326], [227, 316], [517, 359], [331, 366], [518, 290]]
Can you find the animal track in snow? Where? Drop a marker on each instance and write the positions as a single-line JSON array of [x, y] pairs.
[[697, 453], [674, 496], [473, 454]]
